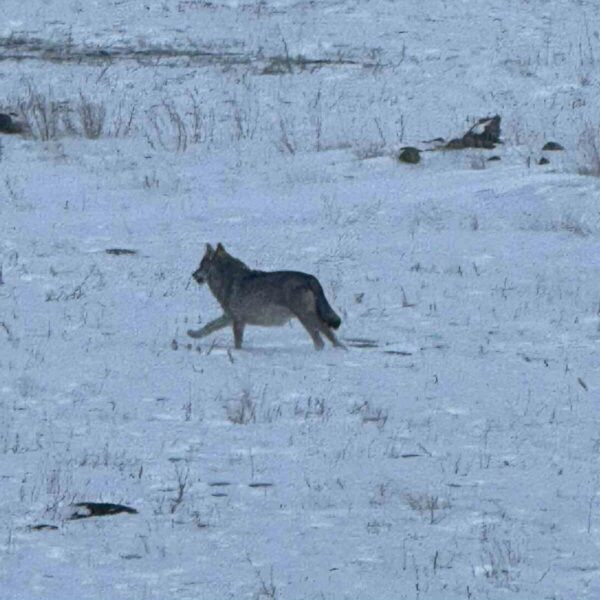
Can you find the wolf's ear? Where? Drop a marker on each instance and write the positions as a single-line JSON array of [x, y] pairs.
[[209, 249], [220, 248]]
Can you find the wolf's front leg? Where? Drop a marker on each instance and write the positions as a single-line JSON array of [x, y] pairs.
[[220, 323], [238, 333]]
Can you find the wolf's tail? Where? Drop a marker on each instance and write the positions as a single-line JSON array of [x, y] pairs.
[[324, 311]]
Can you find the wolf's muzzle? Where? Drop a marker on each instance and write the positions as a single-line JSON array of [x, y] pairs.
[[197, 275]]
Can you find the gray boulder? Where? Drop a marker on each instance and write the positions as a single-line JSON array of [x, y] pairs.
[[409, 154], [9, 125]]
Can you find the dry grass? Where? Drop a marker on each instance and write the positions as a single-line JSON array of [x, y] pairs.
[[49, 118]]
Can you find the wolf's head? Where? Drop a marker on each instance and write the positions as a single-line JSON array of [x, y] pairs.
[[208, 260]]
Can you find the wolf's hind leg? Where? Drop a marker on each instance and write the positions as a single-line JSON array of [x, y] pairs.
[[220, 323], [312, 327], [326, 331]]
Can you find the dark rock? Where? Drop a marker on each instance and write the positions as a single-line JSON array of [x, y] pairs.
[[484, 134], [410, 155], [84, 510], [494, 158], [487, 130], [543, 161], [9, 125], [552, 146], [474, 141], [5, 122], [456, 144]]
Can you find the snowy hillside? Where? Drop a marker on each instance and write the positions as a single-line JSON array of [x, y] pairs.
[[452, 452]]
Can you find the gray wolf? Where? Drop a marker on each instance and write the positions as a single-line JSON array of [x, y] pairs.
[[267, 298]]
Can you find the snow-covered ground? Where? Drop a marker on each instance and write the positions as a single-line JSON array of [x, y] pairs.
[[452, 452]]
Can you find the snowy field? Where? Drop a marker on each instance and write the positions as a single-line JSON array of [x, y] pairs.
[[452, 452]]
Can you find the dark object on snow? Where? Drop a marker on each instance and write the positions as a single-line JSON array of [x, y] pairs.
[[120, 251], [543, 161], [410, 155], [42, 526], [84, 510], [9, 125], [484, 134], [456, 144], [552, 146], [494, 158], [361, 343]]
